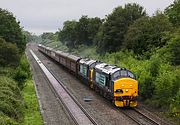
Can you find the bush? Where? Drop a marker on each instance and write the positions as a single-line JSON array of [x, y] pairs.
[[11, 101], [174, 46], [175, 105], [9, 54], [5, 120], [22, 72], [167, 87]]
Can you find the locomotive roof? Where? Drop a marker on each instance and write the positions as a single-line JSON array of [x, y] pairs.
[[73, 57], [87, 61], [106, 68]]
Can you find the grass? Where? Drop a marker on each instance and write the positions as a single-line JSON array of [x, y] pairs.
[[32, 114]]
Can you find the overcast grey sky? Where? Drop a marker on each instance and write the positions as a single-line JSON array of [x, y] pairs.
[[39, 16]]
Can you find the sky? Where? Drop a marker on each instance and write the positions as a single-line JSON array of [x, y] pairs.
[[38, 16]]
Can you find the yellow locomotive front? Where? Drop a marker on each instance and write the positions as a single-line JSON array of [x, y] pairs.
[[125, 89], [117, 84]]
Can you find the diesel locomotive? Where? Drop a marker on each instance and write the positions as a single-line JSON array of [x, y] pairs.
[[114, 83]]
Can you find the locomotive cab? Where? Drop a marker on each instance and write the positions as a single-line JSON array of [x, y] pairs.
[[117, 84], [125, 89]]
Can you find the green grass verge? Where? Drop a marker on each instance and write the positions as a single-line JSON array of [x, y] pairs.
[[32, 114]]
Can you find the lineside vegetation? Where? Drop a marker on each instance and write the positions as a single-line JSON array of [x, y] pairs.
[[15, 75]]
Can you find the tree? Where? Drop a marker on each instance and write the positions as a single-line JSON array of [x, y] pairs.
[[47, 35], [146, 33], [173, 12], [174, 48], [115, 26], [76, 33], [82, 30], [11, 30], [9, 55], [87, 29], [30, 37], [68, 34], [93, 28]]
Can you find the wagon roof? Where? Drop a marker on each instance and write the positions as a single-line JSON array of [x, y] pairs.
[[73, 57], [64, 54], [58, 52]]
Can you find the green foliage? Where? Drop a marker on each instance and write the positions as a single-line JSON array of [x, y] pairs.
[[82, 30], [48, 35], [167, 87], [86, 29], [146, 33], [5, 120], [10, 30], [7, 71], [75, 33], [30, 37], [22, 72], [173, 12], [175, 105], [31, 111], [11, 102], [68, 33], [116, 25], [9, 55], [174, 48]]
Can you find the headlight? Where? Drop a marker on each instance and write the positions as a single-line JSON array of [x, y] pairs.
[[119, 91]]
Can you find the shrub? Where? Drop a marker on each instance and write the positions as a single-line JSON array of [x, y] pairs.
[[11, 101], [9, 54], [175, 106], [167, 86], [5, 120], [22, 72]]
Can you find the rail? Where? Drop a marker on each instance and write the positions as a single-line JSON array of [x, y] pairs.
[[139, 117], [74, 108]]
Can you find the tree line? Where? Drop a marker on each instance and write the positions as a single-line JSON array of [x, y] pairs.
[[126, 28]]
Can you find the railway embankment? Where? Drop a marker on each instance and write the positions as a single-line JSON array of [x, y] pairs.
[[18, 99]]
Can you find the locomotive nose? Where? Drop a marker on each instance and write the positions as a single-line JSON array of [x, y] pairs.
[[125, 87], [125, 90]]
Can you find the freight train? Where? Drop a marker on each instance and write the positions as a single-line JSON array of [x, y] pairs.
[[116, 84]]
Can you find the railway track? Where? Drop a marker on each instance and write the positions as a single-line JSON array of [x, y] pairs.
[[139, 117], [74, 108]]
